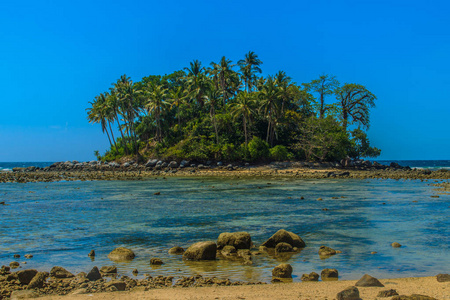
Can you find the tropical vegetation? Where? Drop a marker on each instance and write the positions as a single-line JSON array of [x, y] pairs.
[[231, 112]]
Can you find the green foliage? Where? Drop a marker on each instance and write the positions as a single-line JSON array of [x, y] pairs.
[[258, 149], [210, 113], [280, 153]]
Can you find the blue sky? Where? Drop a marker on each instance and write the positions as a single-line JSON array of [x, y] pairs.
[[56, 56]]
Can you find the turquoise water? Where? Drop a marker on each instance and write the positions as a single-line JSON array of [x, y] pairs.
[[60, 222]]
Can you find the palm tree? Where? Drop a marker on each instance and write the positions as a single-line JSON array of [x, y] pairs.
[[112, 101], [223, 72], [269, 98], [283, 82], [213, 98], [196, 81], [249, 66], [243, 107], [177, 97], [156, 104], [355, 101]]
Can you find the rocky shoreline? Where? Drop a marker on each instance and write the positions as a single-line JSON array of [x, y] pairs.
[[31, 283], [95, 170]]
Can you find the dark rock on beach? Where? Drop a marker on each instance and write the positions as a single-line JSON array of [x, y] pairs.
[[94, 274], [329, 274], [412, 297], [26, 276], [387, 293], [368, 280], [38, 280], [350, 293], [60, 272], [443, 277], [201, 251], [284, 236]]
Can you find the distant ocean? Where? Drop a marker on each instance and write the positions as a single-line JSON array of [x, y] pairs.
[[420, 164]]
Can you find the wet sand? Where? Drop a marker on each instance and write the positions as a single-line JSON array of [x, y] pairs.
[[428, 286]]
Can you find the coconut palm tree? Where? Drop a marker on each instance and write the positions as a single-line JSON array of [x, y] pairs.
[[283, 82], [249, 66], [269, 97], [243, 107], [212, 97], [156, 103], [223, 71], [177, 97]]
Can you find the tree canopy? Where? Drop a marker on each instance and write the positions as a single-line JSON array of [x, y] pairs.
[[231, 112]]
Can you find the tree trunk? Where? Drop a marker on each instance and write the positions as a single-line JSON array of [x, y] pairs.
[[124, 142], [114, 139], [245, 130]]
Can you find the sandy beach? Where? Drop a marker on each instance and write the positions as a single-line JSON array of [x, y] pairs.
[[428, 286]]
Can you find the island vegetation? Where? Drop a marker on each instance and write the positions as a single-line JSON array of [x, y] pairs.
[[231, 112]]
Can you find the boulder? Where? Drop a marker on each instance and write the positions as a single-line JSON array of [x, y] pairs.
[[282, 271], [396, 245], [412, 297], [443, 277], [329, 274], [151, 163], [94, 274], [156, 262], [121, 254], [38, 280], [28, 256], [23, 294], [201, 251], [326, 251], [26, 276], [173, 164], [119, 285], [239, 240], [176, 250], [108, 270], [313, 276], [286, 237], [228, 250], [350, 293], [368, 280], [60, 272], [14, 265], [283, 247], [387, 293], [92, 253]]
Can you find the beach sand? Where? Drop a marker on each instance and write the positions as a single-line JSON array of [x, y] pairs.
[[428, 286]]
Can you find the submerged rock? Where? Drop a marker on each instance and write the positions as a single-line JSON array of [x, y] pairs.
[[283, 247], [282, 271], [201, 251], [326, 251], [284, 236], [156, 262], [176, 250], [239, 240], [396, 245], [121, 254]]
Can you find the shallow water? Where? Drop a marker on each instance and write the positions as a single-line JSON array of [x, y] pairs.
[[60, 222]]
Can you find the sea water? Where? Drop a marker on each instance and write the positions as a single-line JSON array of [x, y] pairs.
[[59, 223]]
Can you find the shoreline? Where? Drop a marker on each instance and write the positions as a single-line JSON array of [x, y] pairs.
[[425, 286], [280, 170]]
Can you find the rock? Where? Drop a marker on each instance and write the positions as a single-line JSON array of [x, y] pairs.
[[28, 256], [135, 272], [201, 251], [173, 164], [328, 274], [24, 294], [60, 272], [38, 280], [176, 250], [396, 245], [26, 276], [368, 280], [286, 237], [151, 163], [94, 274], [395, 165], [16, 255], [14, 265], [184, 163], [313, 276], [443, 277], [350, 293], [121, 254], [157, 193], [92, 253], [387, 293], [326, 251], [119, 285], [156, 262], [5, 269], [108, 270], [283, 247], [282, 271], [239, 240], [228, 250]]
